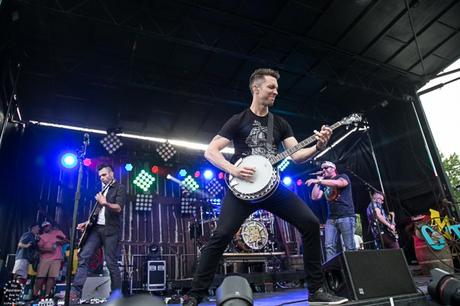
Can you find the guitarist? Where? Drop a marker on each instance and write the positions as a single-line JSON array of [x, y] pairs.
[[250, 133], [381, 224], [103, 230]]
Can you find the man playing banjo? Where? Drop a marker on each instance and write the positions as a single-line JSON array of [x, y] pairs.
[[257, 132]]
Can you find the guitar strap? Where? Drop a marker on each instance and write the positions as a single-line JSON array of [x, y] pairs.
[[269, 143]]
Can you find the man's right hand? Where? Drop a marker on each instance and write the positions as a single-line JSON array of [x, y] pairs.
[[244, 173], [81, 226]]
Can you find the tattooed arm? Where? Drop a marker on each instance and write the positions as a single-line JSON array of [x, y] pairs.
[[216, 158]]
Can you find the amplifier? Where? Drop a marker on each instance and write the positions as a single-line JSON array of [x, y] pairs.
[[369, 274], [156, 275]]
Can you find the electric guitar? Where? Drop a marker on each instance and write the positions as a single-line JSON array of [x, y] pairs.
[[393, 234], [92, 219]]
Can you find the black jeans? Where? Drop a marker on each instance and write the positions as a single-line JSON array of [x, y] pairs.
[[283, 203], [96, 238]]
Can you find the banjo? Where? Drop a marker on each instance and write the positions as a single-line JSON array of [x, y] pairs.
[[266, 178]]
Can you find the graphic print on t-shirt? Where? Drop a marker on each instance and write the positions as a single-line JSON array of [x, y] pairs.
[[331, 193], [257, 140]]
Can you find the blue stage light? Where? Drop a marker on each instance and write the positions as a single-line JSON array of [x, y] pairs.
[[182, 172], [208, 174], [129, 167], [287, 181], [69, 160]]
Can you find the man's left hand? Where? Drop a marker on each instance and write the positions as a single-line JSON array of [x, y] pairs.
[[101, 199], [312, 181], [323, 136]]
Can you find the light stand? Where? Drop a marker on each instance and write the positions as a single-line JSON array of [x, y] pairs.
[[81, 157], [452, 210]]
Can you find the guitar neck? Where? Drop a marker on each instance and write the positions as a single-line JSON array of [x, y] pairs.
[[277, 158]]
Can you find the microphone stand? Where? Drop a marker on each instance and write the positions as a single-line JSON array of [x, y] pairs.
[[371, 188], [81, 156]]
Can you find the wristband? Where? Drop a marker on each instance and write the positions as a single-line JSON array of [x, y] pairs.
[[319, 149]]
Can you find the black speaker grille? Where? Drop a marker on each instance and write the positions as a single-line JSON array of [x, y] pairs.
[[370, 274]]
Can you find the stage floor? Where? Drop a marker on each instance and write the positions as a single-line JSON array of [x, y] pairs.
[[298, 296]]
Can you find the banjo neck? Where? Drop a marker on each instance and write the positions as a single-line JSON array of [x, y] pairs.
[[277, 158]]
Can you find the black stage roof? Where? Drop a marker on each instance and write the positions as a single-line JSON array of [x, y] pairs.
[[178, 69]]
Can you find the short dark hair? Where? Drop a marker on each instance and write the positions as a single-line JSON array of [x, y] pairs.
[[33, 224], [102, 166], [259, 75]]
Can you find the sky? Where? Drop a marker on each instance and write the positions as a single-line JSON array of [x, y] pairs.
[[442, 108]]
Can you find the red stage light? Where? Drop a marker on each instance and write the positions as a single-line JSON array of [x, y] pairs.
[[87, 162], [299, 182], [155, 169], [197, 174], [221, 175]]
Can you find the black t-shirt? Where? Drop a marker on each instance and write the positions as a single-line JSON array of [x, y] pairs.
[[339, 200], [249, 133]]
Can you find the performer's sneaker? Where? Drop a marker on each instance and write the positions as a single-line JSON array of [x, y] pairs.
[[188, 300], [321, 297]]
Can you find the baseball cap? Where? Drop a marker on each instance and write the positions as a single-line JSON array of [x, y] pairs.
[[45, 223]]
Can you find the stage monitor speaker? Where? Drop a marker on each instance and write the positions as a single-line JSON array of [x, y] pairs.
[[368, 274], [96, 287], [156, 275]]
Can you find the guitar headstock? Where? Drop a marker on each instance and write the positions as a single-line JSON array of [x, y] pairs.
[[353, 118]]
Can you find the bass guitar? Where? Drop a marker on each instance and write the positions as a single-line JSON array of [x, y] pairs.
[[393, 234], [92, 219], [266, 178]]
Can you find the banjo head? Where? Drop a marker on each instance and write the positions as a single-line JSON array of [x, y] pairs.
[[261, 178]]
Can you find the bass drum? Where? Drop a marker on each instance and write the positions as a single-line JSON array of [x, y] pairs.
[[251, 237]]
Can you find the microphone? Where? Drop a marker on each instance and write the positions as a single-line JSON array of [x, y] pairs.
[[86, 138], [316, 173]]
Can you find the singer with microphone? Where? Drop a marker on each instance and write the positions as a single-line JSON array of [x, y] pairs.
[[336, 188]]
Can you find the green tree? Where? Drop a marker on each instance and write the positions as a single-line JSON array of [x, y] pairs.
[[451, 164]]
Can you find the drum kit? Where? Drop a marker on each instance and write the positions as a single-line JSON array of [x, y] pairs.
[[256, 234]]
